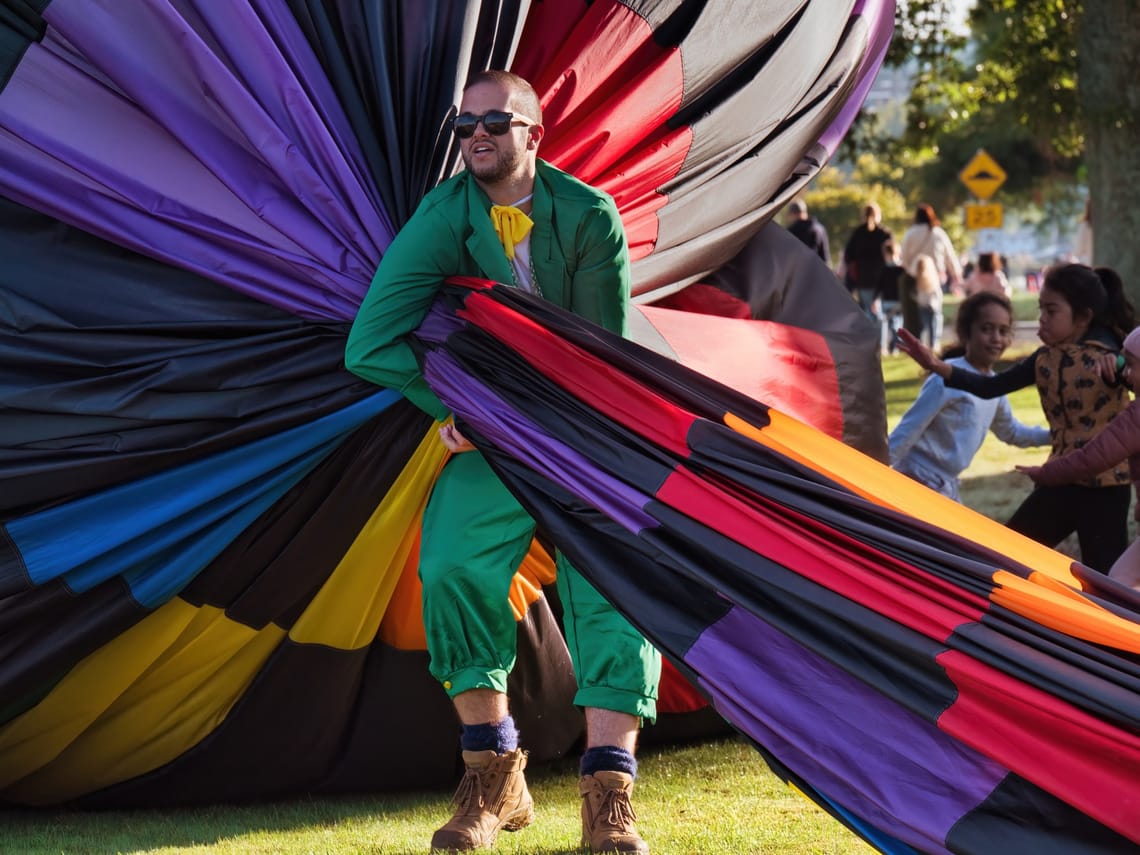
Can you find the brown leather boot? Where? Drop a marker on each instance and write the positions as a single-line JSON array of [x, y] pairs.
[[607, 814], [492, 797]]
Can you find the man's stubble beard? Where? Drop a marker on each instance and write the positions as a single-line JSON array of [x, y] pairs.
[[504, 166]]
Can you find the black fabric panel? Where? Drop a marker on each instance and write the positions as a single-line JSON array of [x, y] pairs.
[[398, 72], [542, 685], [1103, 682], [272, 570], [45, 631], [21, 23], [1021, 817], [282, 736], [13, 572], [161, 367]]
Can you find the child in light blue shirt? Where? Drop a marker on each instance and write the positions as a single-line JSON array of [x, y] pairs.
[[944, 428]]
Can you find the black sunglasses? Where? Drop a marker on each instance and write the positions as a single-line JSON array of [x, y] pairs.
[[496, 122]]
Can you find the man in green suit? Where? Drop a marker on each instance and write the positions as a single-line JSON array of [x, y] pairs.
[[515, 219]]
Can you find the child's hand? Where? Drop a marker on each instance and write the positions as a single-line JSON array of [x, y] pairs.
[[1107, 365], [1034, 472], [918, 351]]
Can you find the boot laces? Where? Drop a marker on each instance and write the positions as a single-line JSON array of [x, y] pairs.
[[470, 791], [471, 794], [616, 809]]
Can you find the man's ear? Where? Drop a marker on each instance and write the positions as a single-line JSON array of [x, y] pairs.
[[534, 135]]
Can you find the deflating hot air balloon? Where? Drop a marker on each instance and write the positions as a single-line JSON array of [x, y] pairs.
[[935, 680], [210, 528]]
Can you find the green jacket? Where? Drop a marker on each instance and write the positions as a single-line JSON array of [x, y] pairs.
[[578, 253]]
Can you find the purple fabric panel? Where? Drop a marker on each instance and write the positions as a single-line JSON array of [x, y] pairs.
[[878, 760], [526, 442], [439, 324], [880, 17], [129, 122]]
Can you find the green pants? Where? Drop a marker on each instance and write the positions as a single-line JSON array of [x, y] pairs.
[[475, 536]]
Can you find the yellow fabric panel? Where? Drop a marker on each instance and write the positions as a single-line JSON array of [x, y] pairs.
[[135, 704], [1065, 611], [887, 488], [347, 611]]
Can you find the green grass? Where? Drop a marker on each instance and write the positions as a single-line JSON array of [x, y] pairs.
[[715, 797]]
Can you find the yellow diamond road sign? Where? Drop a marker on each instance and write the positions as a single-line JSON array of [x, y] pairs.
[[982, 175]]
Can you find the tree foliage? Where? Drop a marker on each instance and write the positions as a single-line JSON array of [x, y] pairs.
[[1011, 88]]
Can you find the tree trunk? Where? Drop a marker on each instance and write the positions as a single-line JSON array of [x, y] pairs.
[[1108, 59]]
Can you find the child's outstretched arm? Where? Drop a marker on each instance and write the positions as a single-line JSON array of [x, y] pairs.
[[922, 354]]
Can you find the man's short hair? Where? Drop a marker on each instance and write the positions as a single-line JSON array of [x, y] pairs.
[[797, 207], [524, 100]]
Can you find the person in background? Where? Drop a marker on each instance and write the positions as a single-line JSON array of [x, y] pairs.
[[928, 296], [808, 229], [1084, 316], [1120, 441], [925, 236], [885, 297], [1083, 246], [987, 276], [863, 257], [513, 218], [943, 429]]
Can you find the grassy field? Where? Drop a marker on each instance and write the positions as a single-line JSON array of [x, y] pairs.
[[715, 797]]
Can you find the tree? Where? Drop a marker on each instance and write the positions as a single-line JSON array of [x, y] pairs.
[[1108, 52], [1048, 88]]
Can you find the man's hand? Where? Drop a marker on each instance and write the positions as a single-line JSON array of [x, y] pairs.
[[454, 440]]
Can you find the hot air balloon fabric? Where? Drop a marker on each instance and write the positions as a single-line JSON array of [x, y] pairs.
[[936, 680], [210, 528]]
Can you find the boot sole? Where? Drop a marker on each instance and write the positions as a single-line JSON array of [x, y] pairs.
[[520, 819]]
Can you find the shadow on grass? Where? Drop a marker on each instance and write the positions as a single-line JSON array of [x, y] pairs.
[[357, 823]]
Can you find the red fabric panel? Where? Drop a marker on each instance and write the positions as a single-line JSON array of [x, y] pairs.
[[676, 694], [707, 300], [1090, 764], [607, 90], [880, 582], [787, 368], [594, 382]]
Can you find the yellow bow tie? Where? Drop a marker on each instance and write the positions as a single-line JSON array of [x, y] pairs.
[[511, 225]]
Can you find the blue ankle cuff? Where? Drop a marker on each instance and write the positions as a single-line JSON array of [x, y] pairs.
[[607, 758], [499, 736]]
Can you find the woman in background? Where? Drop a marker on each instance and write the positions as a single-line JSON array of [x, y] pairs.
[[925, 236]]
